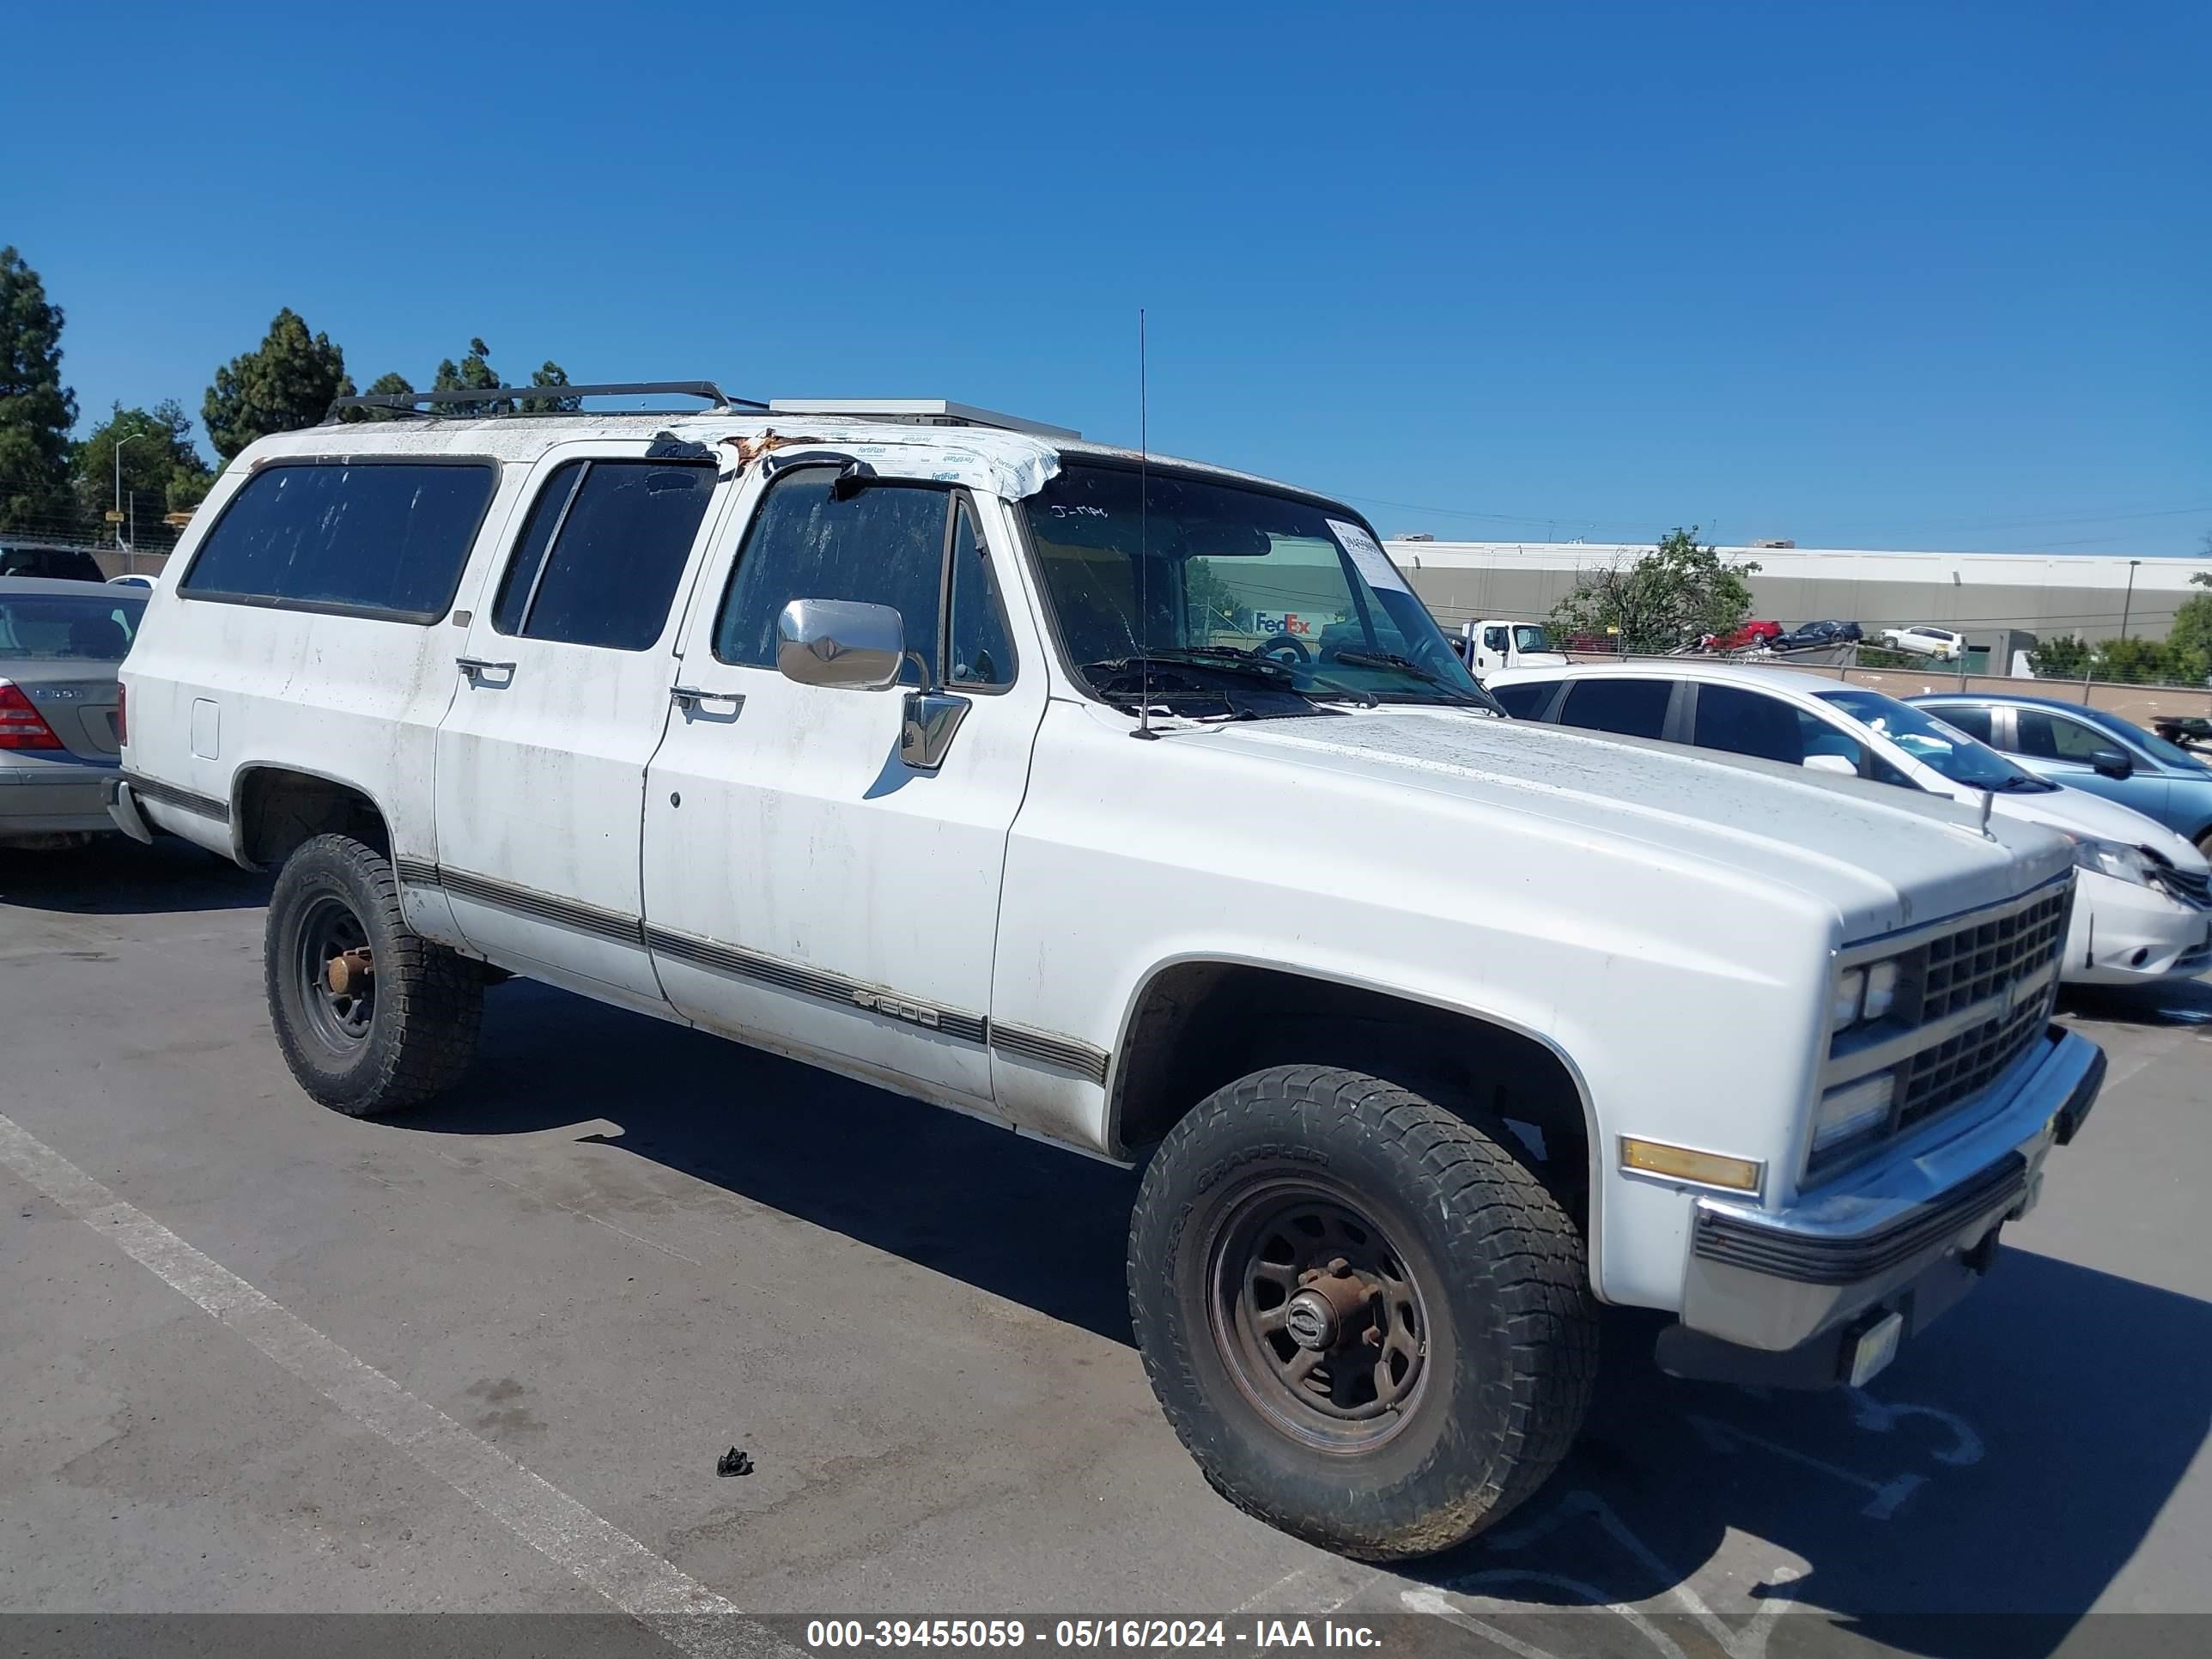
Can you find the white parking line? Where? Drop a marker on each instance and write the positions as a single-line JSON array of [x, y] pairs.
[[650, 1589]]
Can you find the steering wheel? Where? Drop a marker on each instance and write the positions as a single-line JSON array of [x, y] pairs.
[[1292, 651]]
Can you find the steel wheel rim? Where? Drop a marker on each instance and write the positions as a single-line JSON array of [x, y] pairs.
[[342, 1020], [1344, 1380]]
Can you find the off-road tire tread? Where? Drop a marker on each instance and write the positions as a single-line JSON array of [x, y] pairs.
[[1501, 1221], [435, 995]]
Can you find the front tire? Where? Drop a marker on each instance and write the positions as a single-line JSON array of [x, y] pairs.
[[1368, 1323], [396, 1037]]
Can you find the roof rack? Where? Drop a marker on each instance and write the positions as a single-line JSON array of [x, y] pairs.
[[409, 403], [917, 411]]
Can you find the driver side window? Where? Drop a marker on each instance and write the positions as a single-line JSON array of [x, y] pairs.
[[2053, 736], [884, 544]]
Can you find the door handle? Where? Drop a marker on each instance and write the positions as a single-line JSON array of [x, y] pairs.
[[690, 696], [475, 669]]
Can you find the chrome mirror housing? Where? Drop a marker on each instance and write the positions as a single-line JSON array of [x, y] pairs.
[[842, 643]]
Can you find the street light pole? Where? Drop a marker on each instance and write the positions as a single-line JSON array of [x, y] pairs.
[[132, 555], [2128, 604]]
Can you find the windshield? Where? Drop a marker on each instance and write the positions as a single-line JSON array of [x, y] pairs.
[[1212, 598], [1528, 637], [2172, 753], [1931, 742], [57, 626]]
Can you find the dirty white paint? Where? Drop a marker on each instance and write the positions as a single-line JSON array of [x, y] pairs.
[[600, 1554]]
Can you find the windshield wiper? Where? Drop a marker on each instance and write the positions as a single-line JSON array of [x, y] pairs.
[[2021, 780], [1223, 659], [1392, 659]]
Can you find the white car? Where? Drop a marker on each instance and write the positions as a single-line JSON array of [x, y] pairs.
[[1923, 640], [1141, 806], [132, 580], [2141, 913]]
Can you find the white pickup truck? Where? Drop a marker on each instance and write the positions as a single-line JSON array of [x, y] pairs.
[[973, 760]]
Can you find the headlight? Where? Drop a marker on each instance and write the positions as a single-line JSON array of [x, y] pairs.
[[2111, 858], [1852, 1110], [1863, 993]]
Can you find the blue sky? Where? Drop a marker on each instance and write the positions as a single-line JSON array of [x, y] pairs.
[[1929, 275]]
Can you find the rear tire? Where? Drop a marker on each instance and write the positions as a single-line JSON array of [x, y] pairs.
[[1367, 1321], [410, 1035]]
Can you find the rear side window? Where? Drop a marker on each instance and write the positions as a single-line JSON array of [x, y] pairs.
[[1974, 722], [605, 548], [1521, 702], [1631, 708], [385, 539], [1748, 723]]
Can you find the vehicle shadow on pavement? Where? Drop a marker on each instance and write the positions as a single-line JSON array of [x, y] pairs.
[[1014, 1217], [116, 877], [2178, 1002], [1976, 1499]]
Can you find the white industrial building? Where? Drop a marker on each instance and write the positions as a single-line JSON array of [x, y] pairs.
[[1985, 596]]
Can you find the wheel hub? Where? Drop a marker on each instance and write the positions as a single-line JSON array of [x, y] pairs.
[[1316, 1315]]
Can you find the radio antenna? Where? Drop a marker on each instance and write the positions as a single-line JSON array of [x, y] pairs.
[[1144, 549]]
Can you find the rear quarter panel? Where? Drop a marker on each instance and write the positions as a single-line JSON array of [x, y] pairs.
[[218, 688]]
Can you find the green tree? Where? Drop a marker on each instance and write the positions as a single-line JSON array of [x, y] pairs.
[[2135, 661], [1669, 598], [36, 410], [160, 472], [474, 372], [549, 374], [384, 386], [2064, 657], [2189, 642], [285, 383]]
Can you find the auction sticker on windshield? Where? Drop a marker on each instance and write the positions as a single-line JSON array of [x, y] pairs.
[[1373, 562]]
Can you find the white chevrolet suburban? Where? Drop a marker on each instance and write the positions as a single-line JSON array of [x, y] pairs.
[[955, 754]]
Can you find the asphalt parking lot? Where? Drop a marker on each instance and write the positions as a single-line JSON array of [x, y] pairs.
[[625, 1248]]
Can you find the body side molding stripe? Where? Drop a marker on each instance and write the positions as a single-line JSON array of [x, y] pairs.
[[735, 960], [169, 795], [610, 925], [1050, 1048], [1045, 1048]]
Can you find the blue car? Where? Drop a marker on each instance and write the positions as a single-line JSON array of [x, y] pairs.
[[2088, 749]]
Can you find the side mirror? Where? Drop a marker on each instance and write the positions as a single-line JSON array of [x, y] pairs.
[[842, 643], [2111, 763], [1840, 765]]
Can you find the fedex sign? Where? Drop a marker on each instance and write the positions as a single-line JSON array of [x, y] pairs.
[[1279, 622]]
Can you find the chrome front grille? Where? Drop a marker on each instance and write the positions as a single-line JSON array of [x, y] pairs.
[[2186, 885], [1980, 966], [1971, 998]]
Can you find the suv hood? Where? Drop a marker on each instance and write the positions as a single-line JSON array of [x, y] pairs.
[[1882, 858]]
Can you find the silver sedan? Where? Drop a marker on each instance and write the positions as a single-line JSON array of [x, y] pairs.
[[61, 643]]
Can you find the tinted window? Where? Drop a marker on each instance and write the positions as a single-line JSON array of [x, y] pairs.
[[387, 538], [981, 651], [2053, 736], [1748, 723], [1521, 702], [882, 546], [55, 627], [600, 558], [1974, 722], [1633, 709], [56, 563]]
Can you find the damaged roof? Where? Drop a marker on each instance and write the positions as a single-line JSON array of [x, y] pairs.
[[1010, 463]]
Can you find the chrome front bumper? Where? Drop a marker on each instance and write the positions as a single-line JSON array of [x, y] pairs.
[[1777, 1280]]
